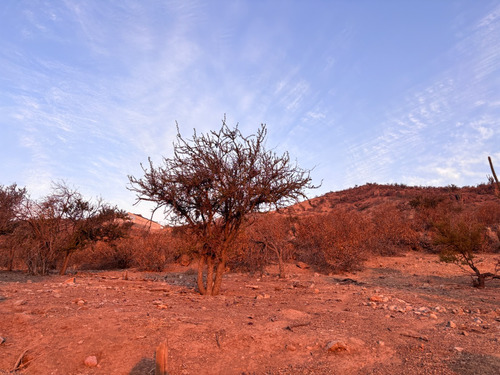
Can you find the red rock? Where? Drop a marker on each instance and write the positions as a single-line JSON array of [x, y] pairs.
[[91, 361]]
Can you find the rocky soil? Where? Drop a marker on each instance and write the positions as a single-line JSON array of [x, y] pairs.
[[408, 314]]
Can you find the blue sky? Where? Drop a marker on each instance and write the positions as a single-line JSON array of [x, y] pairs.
[[383, 91]]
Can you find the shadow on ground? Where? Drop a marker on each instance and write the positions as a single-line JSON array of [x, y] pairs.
[[472, 364], [145, 366]]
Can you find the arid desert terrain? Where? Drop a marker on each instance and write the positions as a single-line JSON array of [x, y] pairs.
[[409, 314]]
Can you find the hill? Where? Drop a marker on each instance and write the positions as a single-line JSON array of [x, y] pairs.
[[372, 195]]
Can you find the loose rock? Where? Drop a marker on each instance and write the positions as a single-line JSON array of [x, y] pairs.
[[91, 361], [451, 324], [336, 346]]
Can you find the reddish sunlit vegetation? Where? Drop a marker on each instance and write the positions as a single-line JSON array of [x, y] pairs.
[[333, 233]]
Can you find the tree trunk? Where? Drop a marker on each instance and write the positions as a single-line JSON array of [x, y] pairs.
[[281, 263], [206, 287], [65, 263], [210, 276], [221, 267], [211, 285], [281, 266], [201, 267], [480, 281], [10, 264]]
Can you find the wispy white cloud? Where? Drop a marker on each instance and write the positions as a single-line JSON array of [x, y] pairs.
[[442, 133], [91, 89]]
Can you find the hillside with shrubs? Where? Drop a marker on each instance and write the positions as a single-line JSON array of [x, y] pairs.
[[335, 232]]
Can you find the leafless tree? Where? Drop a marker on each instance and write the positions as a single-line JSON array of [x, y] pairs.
[[272, 234], [212, 182], [64, 222]]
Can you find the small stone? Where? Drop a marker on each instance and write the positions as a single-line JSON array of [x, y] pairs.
[[458, 349], [291, 347], [465, 333], [477, 321], [336, 346], [440, 309], [433, 316], [20, 302], [70, 281], [380, 343], [2, 340], [91, 361], [302, 265], [377, 298], [451, 324], [316, 291]]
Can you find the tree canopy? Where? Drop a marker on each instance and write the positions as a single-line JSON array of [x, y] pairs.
[[211, 184]]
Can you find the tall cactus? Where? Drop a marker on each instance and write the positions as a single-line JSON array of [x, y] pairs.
[[497, 183]]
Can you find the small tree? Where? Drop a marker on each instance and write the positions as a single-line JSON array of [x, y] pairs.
[[212, 183], [64, 222], [11, 202], [461, 237], [272, 235]]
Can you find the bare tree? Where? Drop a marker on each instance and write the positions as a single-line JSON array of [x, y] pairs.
[[272, 233], [11, 201], [212, 182], [64, 222]]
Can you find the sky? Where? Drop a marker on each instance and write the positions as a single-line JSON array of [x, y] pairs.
[[383, 91]]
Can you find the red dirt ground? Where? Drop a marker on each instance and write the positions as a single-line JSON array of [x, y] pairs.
[[394, 317]]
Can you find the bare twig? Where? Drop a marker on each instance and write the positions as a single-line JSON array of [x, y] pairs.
[[295, 325], [19, 361], [423, 338]]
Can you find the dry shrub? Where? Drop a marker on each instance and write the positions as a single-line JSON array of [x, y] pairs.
[[104, 256], [461, 238], [392, 230], [246, 256], [153, 251], [489, 213], [337, 241], [267, 240], [148, 251]]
